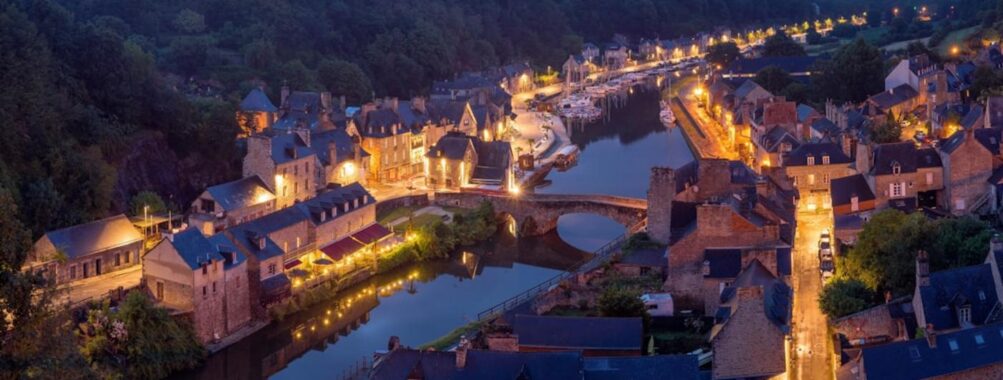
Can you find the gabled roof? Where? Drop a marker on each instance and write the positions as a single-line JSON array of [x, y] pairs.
[[100, 235], [772, 140], [953, 353], [343, 144], [676, 367], [898, 95], [578, 332], [257, 101], [951, 289], [195, 249], [245, 235], [844, 189], [777, 295], [480, 365], [724, 263], [452, 146], [651, 257], [805, 111], [886, 156], [242, 193], [747, 88], [799, 156], [288, 147], [334, 202], [928, 158], [825, 127]]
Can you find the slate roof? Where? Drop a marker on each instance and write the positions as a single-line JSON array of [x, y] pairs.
[[100, 235], [898, 95], [777, 295], [334, 203], [245, 235], [195, 249], [578, 332], [825, 127], [486, 365], [954, 352], [467, 81], [242, 193], [997, 176], [288, 147], [303, 107], [845, 188], [886, 155], [649, 257], [746, 88], [452, 146], [777, 135], [792, 65], [953, 288], [343, 144], [724, 263], [805, 111], [257, 101], [676, 367], [928, 158], [799, 156]]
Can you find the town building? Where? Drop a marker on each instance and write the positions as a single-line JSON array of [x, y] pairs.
[[852, 203], [286, 164], [256, 113], [750, 331], [968, 165], [577, 69], [228, 204], [87, 250], [812, 166], [615, 56], [958, 298], [592, 336], [515, 78], [205, 278], [459, 160], [901, 173]]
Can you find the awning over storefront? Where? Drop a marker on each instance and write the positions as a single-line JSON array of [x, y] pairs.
[[341, 248], [372, 234], [292, 264]]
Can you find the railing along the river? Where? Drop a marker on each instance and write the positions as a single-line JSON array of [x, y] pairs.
[[599, 257]]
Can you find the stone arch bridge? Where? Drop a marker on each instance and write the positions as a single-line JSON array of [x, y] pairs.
[[537, 214]]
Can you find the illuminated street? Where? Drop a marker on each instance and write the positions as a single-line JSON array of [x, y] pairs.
[[811, 348]]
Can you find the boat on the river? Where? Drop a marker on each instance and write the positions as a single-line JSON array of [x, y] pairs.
[[567, 157], [666, 115]]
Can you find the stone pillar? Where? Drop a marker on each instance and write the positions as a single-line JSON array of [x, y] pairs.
[[661, 190]]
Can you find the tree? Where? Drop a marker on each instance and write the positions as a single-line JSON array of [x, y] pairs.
[[188, 53], [723, 53], [146, 203], [781, 45], [139, 341], [843, 296], [621, 302], [984, 78], [260, 54], [890, 131], [813, 37], [773, 79], [189, 22], [345, 78], [855, 72]]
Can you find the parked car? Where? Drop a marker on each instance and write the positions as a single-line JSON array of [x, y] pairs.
[[825, 237], [658, 304], [827, 268]]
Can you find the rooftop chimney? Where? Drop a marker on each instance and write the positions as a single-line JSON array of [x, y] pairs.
[[922, 269], [285, 94], [394, 343], [931, 335], [706, 268]]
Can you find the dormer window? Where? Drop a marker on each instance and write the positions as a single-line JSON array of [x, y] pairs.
[[323, 216], [896, 168], [811, 160], [825, 160], [965, 315]]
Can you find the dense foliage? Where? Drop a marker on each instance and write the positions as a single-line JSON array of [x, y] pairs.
[[884, 257], [781, 45], [437, 240], [138, 341], [843, 296], [854, 73]]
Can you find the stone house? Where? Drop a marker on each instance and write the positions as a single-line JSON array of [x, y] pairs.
[[958, 298], [648, 49], [270, 244], [749, 337], [722, 267], [642, 262], [459, 160], [975, 353], [256, 113], [908, 71], [516, 77], [231, 203], [852, 203], [968, 165], [901, 173], [590, 51], [812, 166], [204, 277], [615, 56], [336, 215], [397, 133], [898, 101], [87, 250], [577, 68], [771, 147], [286, 164], [945, 119]]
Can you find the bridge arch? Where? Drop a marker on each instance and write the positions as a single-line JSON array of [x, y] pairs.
[[537, 214]]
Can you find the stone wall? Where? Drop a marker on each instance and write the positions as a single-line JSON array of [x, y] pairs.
[[749, 345], [967, 169], [238, 298], [661, 191], [871, 323]]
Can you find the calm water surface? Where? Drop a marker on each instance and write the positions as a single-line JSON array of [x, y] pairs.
[[424, 302]]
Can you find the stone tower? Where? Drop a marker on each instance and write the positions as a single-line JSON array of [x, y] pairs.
[[661, 191]]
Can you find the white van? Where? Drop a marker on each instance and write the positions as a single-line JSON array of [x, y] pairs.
[[658, 304]]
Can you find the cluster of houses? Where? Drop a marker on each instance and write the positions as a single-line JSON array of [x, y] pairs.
[[302, 213]]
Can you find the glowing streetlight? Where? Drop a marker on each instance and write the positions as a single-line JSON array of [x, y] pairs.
[[955, 50]]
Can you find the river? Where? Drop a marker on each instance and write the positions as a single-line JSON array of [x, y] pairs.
[[424, 302]]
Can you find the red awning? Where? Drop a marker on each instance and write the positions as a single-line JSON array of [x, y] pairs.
[[292, 264], [341, 248], [372, 234]]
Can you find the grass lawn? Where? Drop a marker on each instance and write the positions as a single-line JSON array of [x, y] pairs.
[[453, 337], [396, 213], [956, 37], [872, 35]]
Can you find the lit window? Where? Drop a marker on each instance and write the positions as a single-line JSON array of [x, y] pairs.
[[811, 160], [825, 160]]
